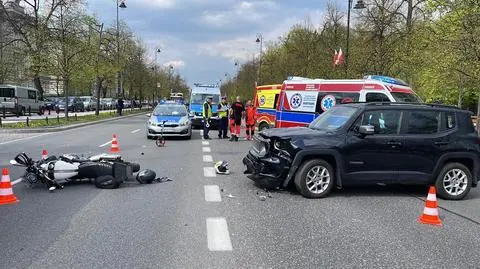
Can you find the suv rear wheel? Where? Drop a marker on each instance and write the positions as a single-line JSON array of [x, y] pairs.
[[315, 178], [454, 181]]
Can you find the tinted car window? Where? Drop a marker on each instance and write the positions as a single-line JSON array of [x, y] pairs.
[[384, 121], [423, 122], [376, 97], [7, 92]]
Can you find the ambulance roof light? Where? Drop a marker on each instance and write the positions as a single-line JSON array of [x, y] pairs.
[[386, 79]]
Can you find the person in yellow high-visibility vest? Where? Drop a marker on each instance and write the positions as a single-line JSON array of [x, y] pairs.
[[223, 109], [207, 115]]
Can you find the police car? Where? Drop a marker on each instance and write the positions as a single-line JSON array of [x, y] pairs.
[[169, 119]]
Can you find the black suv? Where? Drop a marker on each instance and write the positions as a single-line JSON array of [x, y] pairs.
[[368, 143]]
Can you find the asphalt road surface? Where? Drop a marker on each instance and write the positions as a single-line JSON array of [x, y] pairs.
[[203, 220]]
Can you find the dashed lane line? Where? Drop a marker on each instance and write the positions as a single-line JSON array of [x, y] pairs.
[[17, 181], [206, 149], [205, 143], [135, 131], [212, 193], [218, 235], [209, 172], [103, 145], [207, 158]]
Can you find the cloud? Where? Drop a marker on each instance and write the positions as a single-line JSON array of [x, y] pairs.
[[163, 4], [240, 13], [244, 48], [176, 64]]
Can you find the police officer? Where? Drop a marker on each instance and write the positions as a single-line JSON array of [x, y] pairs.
[[223, 108], [207, 115]]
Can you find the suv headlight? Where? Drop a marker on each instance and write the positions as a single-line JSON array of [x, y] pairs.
[[151, 123]]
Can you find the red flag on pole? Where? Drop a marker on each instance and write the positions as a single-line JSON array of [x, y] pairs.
[[340, 57], [335, 57]]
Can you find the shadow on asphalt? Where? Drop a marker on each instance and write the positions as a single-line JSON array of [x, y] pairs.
[[375, 191]]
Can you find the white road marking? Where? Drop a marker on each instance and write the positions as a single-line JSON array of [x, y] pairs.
[[17, 181], [205, 143], [206, 149], [212, 193], [209, 172], [135, 131], [217, 235], [103, 145], [23, 138], [201, 132], [207, 158]]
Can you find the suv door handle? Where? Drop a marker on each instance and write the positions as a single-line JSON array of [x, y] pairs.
[[440, 143], [394, 143]]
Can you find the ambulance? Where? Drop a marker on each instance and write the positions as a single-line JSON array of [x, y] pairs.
[[266, 99], [302, 100]]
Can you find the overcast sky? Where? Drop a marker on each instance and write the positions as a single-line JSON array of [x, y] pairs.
[[203, 38]]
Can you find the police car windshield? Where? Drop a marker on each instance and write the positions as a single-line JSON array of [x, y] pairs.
[[170, 110], [333, 119], [199, 98]]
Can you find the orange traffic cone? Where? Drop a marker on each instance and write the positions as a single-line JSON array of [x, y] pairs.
[[430, 212], [6, 191], [44, 154], [115, 148]]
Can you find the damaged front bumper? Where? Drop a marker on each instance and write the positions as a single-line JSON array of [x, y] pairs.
[[267, 171]]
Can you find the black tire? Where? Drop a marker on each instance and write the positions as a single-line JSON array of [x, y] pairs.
[[107, 182], [262, 126], [449, 168], [301, 178]]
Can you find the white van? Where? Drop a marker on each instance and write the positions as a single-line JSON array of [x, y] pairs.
[[18, 100]]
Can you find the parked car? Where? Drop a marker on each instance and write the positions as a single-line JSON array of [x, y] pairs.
[[371, 143], [108, 103], [127, 104], [88, 102], [50, 103], [75, 104], [18, 99]]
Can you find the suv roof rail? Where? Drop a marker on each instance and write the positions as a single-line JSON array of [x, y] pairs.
[[411, 104]]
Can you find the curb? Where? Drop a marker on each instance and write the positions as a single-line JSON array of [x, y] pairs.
[[64, 128]]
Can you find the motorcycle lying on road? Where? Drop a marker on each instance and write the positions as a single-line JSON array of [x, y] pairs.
[[107, 170]]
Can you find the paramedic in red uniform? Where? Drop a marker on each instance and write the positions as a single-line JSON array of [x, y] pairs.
[[237, 109], [250, 119]]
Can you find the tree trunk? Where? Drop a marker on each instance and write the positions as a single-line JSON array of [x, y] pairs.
[[478, 115], [65, 90], [38, 86]]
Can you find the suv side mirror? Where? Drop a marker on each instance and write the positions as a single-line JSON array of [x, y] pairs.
[[366, 129]]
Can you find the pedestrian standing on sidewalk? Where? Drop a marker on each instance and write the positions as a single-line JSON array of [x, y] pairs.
[[207, 115], [120, 106], [250, 119], [223, 109], [238, 110]]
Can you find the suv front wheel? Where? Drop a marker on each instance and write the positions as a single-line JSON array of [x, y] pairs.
[[315, 178], [454, 181]]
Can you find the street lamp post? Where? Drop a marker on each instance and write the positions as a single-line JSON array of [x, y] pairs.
[[120, 4], [236, 77], [359, 5], [170, 73], [99, 86], [157, 51], [259, 40]]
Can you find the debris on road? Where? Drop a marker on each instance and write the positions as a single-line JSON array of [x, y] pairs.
[[162, 179], [264, 195], [221, 167], [230, 196]]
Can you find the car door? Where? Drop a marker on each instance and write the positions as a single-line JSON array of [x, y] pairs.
[[374, 158], [424, 142]]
